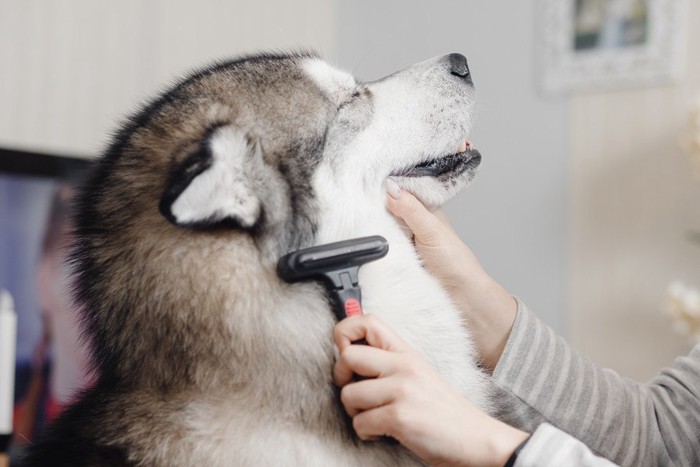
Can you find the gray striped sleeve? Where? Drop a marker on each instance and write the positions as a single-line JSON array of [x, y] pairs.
[[657, 423]]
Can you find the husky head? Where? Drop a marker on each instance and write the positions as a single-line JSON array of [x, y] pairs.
[[202, 190], [412, 125], [284, 135]]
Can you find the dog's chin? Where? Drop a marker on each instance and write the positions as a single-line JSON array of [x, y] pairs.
[[437, 180]]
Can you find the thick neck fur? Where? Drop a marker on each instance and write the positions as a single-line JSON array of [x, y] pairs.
[[398, 289]]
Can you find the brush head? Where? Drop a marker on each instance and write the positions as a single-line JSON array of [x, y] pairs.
[[320, 262]]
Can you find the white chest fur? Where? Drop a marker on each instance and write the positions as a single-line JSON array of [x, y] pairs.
[[403, 294]]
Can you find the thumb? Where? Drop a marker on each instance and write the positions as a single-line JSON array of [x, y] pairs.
[[425, 225]]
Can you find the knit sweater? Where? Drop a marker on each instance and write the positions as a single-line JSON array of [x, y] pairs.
[[550, 390]]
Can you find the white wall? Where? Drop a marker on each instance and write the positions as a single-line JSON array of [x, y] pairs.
[[69, 69], [514, 216]]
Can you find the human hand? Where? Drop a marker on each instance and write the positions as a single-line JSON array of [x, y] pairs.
[[488, 308], [410, 402]]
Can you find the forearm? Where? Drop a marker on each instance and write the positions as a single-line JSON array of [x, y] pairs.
[[543, 378], [630, 423], [486, 306], [490, 312]]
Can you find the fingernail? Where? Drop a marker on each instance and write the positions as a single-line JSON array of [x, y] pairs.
[[392, 188]]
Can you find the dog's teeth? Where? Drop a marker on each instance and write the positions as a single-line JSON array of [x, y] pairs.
[[462, 147]]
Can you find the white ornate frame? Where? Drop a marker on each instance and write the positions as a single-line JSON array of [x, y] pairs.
[[659, 61]]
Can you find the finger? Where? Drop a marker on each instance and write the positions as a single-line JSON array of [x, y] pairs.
[[368, 327], [424, 224], [375, 423], [367, 394], [342, 372], [365, 361]]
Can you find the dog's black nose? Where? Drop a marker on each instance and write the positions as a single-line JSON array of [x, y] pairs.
[[458, 65]]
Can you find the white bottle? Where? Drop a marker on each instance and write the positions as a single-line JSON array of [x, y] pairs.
[[8, 338]]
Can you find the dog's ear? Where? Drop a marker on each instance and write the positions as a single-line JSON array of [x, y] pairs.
[[212, 188]]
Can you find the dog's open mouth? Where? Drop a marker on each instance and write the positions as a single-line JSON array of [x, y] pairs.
[[455, 164]]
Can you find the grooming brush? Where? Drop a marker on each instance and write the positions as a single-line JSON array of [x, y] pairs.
[[336, 265]]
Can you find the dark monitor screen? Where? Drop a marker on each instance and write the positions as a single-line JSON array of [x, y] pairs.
[[35, 202]]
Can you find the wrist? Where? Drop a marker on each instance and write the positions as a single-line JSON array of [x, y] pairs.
[[504, 445], [490, 312], [514, 456], [489, 442]]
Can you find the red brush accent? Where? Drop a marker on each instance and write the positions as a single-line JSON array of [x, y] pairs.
[[353, 308]]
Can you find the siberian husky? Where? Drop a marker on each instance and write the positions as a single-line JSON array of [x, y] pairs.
[[203, 355]]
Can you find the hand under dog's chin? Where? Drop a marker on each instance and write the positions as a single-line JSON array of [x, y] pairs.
[[437, 180], [432, 192]]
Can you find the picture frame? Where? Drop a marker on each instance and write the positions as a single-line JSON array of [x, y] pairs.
[[587, 45]]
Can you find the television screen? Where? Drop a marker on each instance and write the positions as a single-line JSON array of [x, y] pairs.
[[51, 365]]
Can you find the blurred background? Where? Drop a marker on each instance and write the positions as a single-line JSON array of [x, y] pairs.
[[586, 199]]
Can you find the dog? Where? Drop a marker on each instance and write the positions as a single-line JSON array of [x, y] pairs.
[[203, 356]]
